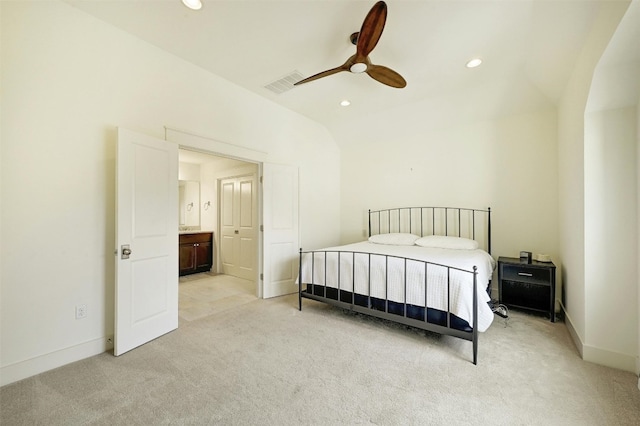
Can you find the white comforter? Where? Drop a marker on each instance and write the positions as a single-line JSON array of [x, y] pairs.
[[387, 275]]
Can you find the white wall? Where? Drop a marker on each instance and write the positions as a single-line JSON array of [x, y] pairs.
[[68, 81], [611, 237], [189, 195], [575, 162], [507, 163], [611, 193], [189, 171]]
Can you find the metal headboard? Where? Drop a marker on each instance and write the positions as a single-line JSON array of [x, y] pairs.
[[469, 223]]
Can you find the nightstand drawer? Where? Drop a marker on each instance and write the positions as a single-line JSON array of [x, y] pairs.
[[526, 274]]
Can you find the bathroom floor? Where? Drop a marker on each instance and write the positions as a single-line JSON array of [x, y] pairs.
[[205, 294]]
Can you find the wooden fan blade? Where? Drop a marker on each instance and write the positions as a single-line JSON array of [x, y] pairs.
[[343, 67], [386, 76], [372, 29], [320, 75]]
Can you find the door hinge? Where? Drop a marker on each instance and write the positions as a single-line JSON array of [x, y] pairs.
[[260, 179], [261, 277], [261, 228]]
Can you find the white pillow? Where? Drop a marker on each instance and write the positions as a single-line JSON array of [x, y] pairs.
[[394, 239], [440, 241]]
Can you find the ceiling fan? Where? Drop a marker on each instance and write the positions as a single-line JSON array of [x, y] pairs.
[[365, 41]]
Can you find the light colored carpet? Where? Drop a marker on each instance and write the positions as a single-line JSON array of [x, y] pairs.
[[264, 362]]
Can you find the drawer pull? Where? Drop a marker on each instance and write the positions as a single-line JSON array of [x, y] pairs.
[[525, 274]]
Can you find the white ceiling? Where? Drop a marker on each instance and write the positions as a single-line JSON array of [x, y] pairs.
[[531, 44]]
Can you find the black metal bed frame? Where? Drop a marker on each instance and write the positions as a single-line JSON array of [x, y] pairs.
[[440, 221]]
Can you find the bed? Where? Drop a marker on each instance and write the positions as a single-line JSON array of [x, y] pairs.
[[425, 267]]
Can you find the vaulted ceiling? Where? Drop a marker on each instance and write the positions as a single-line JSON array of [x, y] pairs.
[[529, 48]]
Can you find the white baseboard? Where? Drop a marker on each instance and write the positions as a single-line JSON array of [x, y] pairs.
[[572, 331], [30, 367], [611, 359], [597, 355]]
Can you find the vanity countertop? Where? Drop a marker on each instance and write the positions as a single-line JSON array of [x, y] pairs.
[[194, 232]]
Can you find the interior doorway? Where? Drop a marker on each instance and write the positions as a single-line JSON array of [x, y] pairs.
[[146, 196], [278, 210], [228, 202]]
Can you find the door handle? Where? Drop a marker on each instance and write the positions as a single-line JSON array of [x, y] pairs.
[[126, 251], [236, 232]]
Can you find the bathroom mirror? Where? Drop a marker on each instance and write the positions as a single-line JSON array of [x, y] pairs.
[[189, 204]]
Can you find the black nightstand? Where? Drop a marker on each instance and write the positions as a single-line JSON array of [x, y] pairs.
[[527, 285]]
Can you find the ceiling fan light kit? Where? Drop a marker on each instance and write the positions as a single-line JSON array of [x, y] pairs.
[[365, 40], [358, 67]]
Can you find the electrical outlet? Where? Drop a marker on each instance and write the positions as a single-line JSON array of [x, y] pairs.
[[81, 311]]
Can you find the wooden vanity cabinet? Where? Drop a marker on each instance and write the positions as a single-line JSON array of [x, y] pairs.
[[196, 253]]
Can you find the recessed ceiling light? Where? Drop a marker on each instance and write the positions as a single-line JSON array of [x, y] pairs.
[[345, 103], [193, 4], [474, 63]]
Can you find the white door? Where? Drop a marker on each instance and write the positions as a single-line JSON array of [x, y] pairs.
[[281, 237], [146, 302], [238, 226]]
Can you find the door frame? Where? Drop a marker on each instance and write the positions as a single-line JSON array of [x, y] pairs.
[[202, 144]]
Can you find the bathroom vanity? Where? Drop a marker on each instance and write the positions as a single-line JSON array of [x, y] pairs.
[[196, 252]]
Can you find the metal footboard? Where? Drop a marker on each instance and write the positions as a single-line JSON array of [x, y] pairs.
[[383, 308]]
